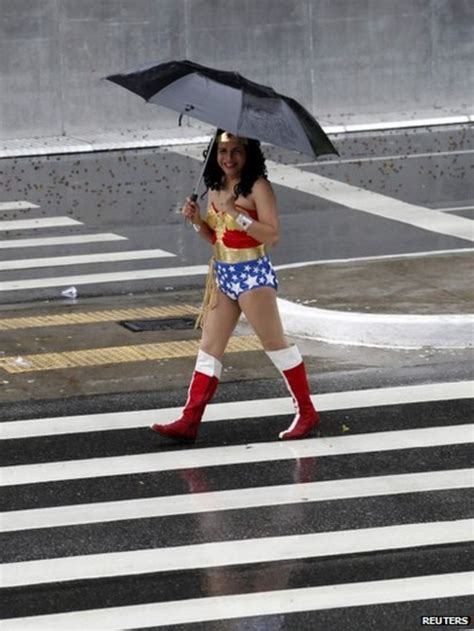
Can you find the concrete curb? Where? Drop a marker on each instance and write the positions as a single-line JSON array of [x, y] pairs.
[[381, 330], [89, 141]]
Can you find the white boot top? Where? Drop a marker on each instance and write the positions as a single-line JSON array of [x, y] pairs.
[[286, 358], [208, 365]]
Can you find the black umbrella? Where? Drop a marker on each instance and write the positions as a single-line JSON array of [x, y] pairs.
[[229, 101]]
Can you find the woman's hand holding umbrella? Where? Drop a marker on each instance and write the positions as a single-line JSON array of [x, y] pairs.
[[192, 213]]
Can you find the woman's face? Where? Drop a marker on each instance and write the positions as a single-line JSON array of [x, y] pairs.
[[231, 157]]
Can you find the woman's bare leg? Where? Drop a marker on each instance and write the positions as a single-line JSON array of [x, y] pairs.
[[219, 324], [261, 310]]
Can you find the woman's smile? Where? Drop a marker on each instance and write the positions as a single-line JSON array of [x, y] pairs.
[[231, 157]]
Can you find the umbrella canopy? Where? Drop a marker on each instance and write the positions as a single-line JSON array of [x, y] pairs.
[[229, 101]]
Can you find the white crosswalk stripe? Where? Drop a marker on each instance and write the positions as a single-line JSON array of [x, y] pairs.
[[64, 240], [84, 259], [70, 261], [368, 503], [231, 500], [234, 552], [260, 452], [17, 205], [41, 222], [254, 604]]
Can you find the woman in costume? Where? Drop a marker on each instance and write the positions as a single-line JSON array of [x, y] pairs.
[[241, 223]]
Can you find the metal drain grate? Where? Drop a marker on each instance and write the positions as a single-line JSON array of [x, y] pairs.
[[162, 324], [88, 317]]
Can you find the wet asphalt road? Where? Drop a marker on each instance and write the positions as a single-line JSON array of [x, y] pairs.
[[134, 194]]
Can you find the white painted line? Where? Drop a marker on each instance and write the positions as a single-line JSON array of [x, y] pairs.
[[41, 222], [383, 257], [106, 277], [401, 124], [172, 272], [454, 208], [230, 553], [266, 603], [91, 142], [19, 205], [361, 199], [330, 490], [236, 454], [108, 142], [247, 409], [82, 259], [371, 202], [66, 240], [401, 156]]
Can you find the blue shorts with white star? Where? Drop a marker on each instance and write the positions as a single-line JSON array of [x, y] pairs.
[[234, 279]]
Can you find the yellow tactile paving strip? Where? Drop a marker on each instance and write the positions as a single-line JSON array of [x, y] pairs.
[[87, 317], [118, 354]]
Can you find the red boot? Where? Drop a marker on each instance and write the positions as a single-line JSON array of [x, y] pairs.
[[204, 382], [290, 363]]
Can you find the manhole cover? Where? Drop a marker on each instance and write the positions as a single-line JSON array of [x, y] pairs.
[[161, 324]]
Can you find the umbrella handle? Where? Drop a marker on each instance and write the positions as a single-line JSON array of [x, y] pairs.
[[194, 195]]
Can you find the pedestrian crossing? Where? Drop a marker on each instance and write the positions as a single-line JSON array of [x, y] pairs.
[[70, 261], [105, 525], [40, 222]]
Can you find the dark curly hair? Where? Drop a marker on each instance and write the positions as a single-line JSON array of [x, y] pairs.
[[254, 168]]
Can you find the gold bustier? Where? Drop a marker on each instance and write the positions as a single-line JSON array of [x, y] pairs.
[[228, 234]]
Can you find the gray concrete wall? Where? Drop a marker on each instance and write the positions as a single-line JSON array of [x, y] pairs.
[[345, 60]]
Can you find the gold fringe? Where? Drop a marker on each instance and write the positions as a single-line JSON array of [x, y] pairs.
[[210, 296]]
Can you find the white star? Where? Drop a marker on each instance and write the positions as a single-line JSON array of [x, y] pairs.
[[235, 277], [247, 268], [251, 281], [270, 278], [232, 268], [235, 287]]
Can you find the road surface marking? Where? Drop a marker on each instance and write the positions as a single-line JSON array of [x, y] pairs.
[[453, 208], [119, 354], [194, 270], [351, 399], [229, 553], [187, 503], [19, 205], [43, 222], [266, 603], [65, 240], [109, 277], [88, 317], [360, 199], [371, 202], [382, 257], [403, 156], [235, 454], [82, 259]]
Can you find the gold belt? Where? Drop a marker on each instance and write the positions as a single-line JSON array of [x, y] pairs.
[[237, 255]]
